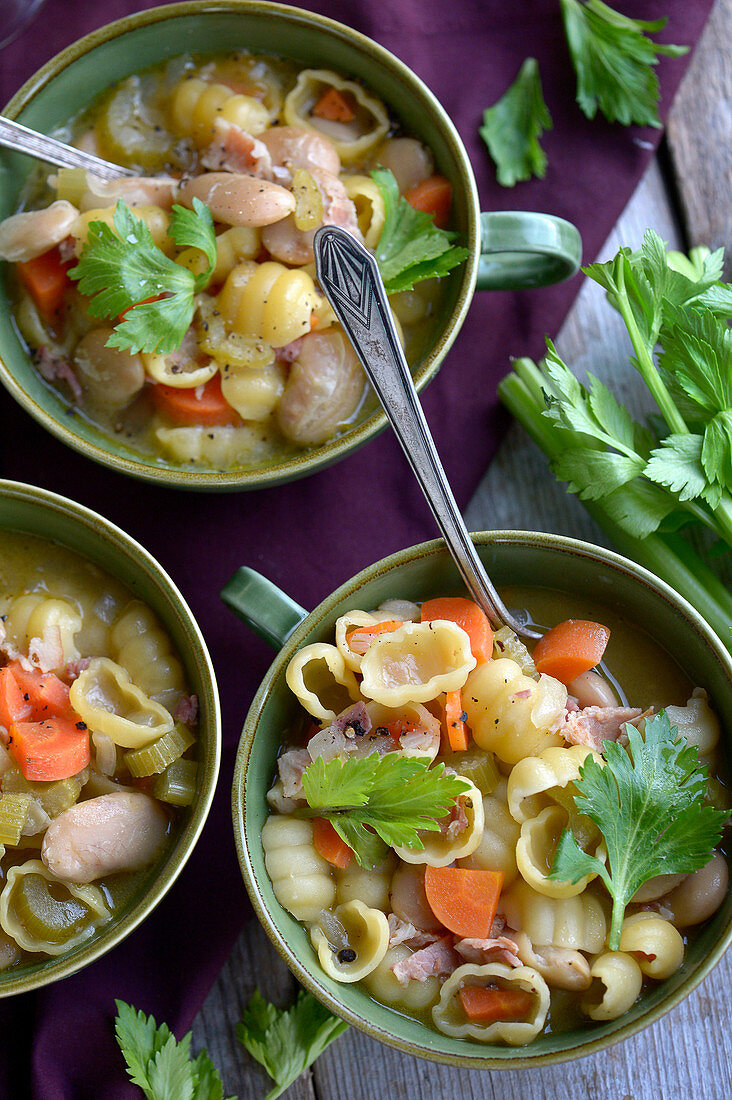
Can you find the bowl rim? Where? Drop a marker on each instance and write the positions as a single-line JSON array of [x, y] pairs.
[[576, 547], [106, 532], [303, 463]]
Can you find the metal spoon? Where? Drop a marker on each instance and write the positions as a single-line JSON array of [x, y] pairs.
[[23, 140], [352, 283]]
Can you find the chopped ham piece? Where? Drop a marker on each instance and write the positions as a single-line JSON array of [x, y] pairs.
[[186, 710], [354, 723], [438, 960], [67, 249], [498, 949], [53, 366], [401, 931], [74, 669], [291, 765], [234, 150], [593, 725], [456, 822], [288, 353]]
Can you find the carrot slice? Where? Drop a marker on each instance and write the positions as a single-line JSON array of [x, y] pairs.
[[205, 405], [55, 748], [142, 302], [486, 1006], [387, 627], [469, 616], [432, 196], [457, 731], [329, 845], [464, 901], [13, 707], [47, 696], [46, 281], [571, 648], [336, 106]]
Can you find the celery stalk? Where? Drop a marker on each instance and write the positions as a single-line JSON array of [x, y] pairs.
[[669, 557]]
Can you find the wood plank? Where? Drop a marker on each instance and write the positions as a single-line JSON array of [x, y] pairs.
[[702, 157]]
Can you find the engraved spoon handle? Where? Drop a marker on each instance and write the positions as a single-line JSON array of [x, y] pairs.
[[352, 283], [22, 140]]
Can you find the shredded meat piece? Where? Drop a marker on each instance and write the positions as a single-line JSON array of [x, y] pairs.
[[67, 249], [593, 725], [498, 949], [291, 765], [456, 822], [438, 960], [52, 366], [234, 150], [74, 669], [288, 353], [401, 931], [186, 710]]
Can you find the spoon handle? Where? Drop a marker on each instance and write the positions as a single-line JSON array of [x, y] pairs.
[[22, 140], [351, 281]]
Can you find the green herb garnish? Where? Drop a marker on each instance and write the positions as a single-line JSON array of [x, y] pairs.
[[160, 1065], [395, 796], [513, 125], [649, 804], [287, 1041], [411, 247], [120, 269], [614, 60]]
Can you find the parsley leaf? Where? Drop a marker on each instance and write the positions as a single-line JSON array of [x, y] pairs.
[[649, 804], [513, 125], [160, 1065], [287, 1041], [120, 269], [393, 795], [614, 60], [411, 247]]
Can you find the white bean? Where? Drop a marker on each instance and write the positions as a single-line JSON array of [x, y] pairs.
[[296, 147], [324, 388], [408, 159], [115, 832], [700, 894], [592, 690], [24, 236], [239, 200], [409, 901], [109, 377]]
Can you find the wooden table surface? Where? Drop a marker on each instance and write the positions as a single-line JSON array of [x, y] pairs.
[[686, 195]]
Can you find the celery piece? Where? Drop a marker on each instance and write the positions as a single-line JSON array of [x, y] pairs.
[[476, 765], [154, 758], [177, 784], [13, 816], [71, 184], [508, 644], [55, 796]]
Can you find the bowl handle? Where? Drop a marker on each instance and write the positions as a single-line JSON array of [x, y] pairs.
[[262, 605], [519, 249]]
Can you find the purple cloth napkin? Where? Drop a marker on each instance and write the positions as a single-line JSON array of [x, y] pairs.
[[311, 535]]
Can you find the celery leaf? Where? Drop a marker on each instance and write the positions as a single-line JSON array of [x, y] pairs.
[[614, 59], [513, 125], [411, 247], [287, 1041], [393, 796], [649, 803]]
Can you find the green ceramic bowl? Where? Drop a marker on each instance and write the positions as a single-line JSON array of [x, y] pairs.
[[24, 508], [518, 249], [516, 558]]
